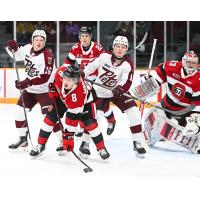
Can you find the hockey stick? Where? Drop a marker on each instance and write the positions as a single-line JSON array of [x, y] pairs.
[[22, 98], [141, 108], [140, 43], [88, 168], [177, 113]]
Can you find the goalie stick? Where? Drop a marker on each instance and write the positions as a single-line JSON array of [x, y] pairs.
[[177, 113], [141, 108], [88, 168], [23, 104]]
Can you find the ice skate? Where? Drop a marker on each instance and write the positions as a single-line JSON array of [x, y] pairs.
[[60, 149], [104, 153], [140, 151], [22, 143], [111, 127], [84, 150], [38, 151]]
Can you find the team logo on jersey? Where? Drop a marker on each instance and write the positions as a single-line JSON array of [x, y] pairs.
[[29, 68], [108, 78], [178, 90]]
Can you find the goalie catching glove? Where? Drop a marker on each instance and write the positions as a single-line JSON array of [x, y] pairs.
[[192, 127]]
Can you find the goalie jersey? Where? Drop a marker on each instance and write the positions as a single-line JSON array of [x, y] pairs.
[[182, 91]]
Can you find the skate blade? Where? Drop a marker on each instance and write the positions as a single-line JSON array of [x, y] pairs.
[[61, 153], [107, 160], [84, 156], [39, 155], [19, 150], [139, 155]]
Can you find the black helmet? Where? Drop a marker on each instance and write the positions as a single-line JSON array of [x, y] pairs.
[[72, 72], [86, 29]]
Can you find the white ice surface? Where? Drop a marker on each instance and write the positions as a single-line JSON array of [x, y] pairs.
[[167, 170]]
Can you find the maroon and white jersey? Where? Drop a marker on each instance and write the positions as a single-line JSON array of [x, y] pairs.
[[110, 74], [74, 99], [77, 53], [182, 90], [39, 67]]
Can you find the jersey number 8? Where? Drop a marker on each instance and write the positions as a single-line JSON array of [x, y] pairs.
[[74, 98]]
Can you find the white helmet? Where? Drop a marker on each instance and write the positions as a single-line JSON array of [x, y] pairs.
[[121, 40], [190, 61], [39, 33]]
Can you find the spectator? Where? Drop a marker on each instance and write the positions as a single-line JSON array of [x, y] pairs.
[[72, 31], [123, 28], [24, 31]]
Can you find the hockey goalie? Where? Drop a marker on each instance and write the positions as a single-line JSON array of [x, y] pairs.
[[157, 126], [181, 79]]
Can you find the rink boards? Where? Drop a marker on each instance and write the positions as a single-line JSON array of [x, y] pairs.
[[9, 94]]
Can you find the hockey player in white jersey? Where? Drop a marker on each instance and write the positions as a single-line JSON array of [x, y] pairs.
[[115, 70], [39, 67], [183, 89]]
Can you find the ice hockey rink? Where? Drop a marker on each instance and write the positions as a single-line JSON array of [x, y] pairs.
[[166, 167]]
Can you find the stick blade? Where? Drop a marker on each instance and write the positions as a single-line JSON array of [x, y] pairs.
[[87, 170]]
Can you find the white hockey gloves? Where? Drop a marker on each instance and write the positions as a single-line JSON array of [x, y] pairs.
[[192, 127]]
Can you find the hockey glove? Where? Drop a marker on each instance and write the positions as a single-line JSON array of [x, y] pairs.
[[12, 45], [68, 141], [53, 93], [23, 84], [118, 91], [192, 127]]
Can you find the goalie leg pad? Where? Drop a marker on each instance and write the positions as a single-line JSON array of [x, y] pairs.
[[158, 126]]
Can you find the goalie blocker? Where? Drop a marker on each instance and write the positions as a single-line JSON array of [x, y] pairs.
[[145, 89], [158, 126]]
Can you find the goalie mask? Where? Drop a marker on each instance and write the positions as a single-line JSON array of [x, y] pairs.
[[71, 77], [189, 62]]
